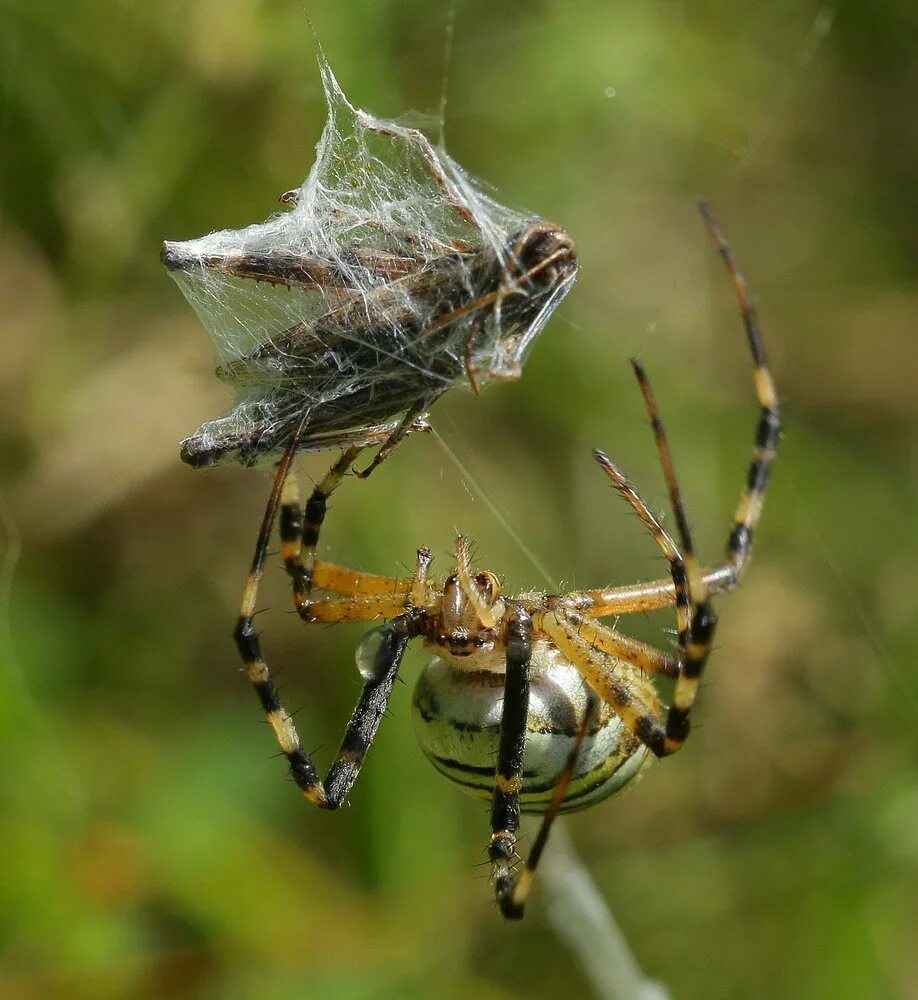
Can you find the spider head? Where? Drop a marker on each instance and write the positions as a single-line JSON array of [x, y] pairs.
[[542, 256], [470, 609]]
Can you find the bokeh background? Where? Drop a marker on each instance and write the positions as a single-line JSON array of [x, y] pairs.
[[151, 845]]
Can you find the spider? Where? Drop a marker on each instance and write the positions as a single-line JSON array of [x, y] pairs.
[[567, 704]]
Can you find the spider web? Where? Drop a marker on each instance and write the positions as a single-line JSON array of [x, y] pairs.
[[335, 308]]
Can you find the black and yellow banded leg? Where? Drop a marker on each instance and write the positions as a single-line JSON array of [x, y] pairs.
[[508, 776], [358, 737], [693, 652], [299, 529], [393, 638], [661, 593], [244, 633], [291, 527], [768, 431], [694, 642], [513, 891], [246, 639]]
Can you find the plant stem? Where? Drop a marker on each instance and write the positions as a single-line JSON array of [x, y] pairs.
[[581, 918]]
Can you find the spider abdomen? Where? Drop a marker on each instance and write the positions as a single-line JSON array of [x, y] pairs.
[[457, 713]]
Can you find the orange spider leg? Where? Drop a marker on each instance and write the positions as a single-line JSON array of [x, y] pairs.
[[622, 647], [630, 693], [639, 597], [353, 583], [366, 595]]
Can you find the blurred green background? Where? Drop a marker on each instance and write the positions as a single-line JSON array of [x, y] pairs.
[[152, 846]]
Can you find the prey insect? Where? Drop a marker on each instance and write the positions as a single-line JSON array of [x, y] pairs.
[[528, 699], [423, 299], [390, 278]]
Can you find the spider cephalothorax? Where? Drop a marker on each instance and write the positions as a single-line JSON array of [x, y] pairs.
[[466, 618], [530, 700]]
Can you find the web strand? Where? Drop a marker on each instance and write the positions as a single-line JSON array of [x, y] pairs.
[[473, 484]]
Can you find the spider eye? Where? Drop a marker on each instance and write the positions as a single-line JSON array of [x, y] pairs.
[[489, 585]]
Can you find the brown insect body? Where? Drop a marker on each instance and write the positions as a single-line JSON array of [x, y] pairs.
[[390, 348], [403, 278]]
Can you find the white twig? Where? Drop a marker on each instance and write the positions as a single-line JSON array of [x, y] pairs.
[[582, 919]]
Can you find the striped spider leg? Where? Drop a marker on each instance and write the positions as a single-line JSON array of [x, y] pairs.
[[386, 657], [588, 645], [615, 668], [661, 593]]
